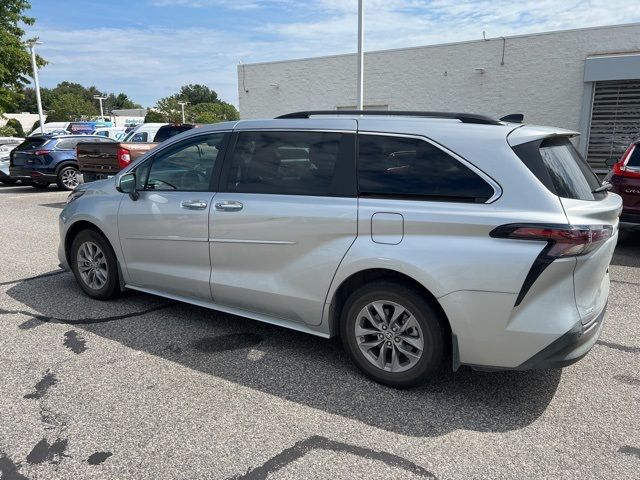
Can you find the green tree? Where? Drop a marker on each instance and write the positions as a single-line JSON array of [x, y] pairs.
[[119, 102], [15, 60], [36, 124], [68, 107], [212, 112], [28, 101], [204, 106], [17, 126], [7, 131], [196, 94], [154, 116], [170, 108]]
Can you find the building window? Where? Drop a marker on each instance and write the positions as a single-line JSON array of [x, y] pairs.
[[615, 120]]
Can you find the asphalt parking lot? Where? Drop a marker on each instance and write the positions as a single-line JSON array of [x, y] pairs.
[[143, 387]]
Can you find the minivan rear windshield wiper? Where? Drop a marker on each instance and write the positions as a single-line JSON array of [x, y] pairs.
[[603, 187]]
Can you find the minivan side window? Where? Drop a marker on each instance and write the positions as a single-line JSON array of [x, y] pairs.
[[293, 163], [186, 166], [411, 167]]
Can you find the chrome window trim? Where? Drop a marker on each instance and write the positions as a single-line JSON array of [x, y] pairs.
[[497, 189]]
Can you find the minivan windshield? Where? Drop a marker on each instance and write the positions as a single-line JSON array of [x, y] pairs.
[[571, 175]]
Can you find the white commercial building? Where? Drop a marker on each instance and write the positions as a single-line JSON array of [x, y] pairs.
[[586, 80]]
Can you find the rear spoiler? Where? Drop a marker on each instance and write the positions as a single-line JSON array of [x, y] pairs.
[[529, 133]]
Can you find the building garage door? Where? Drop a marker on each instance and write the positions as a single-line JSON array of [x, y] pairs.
[[615, 120]]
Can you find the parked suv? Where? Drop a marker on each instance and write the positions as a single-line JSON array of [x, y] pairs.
[[44, 159], [625, 180], [415, 237]]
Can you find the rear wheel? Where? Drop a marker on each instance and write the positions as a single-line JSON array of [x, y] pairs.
[[94, 265], [392, 334], [68, 178]]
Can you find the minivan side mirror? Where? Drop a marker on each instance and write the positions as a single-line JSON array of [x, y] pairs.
[[127, 184], [610, 162]]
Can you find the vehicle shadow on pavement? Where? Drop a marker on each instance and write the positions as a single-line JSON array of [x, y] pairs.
[[628, 249], [294, 366]]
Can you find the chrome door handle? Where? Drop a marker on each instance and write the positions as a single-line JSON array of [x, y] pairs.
[[229, 206], [193, 204]]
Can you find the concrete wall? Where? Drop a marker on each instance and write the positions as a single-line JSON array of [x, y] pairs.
[[542, 77], [26, 119]]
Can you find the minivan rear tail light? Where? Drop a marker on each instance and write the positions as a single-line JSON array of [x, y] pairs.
[[124, 157], [621, 168], [562, 241]]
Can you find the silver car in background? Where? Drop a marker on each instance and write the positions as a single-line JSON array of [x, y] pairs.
[[7, 144], [421, 239]]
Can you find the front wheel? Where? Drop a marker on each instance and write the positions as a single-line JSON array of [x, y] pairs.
[[8, 181], [68, 178], [94, 265], [393, 334]]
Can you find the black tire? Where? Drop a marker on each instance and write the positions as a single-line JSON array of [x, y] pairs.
[[62, 182], [111, 287], [432, 333], [40, 185], [8, 181]]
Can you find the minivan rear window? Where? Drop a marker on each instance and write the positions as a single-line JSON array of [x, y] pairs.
[[31, 143], [570, 174]]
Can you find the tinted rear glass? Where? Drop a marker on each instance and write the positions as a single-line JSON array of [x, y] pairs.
[[570, 174], [170, 131], [389, 165], [634, 159], [31, 143]]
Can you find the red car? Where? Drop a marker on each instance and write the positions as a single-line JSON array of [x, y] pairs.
[[625, 181]]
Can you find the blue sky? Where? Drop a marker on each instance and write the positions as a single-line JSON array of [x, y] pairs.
[[149, 48]]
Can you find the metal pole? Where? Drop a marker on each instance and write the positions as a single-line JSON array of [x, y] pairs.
[[360, 100], [37, 84], [100, 99], [182, 104]]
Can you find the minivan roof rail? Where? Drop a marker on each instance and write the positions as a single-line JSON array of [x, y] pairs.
[[463, 117]]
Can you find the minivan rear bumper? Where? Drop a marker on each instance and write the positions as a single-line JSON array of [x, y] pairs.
[[569, 348]]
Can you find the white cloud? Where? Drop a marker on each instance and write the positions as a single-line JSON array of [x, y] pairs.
[[154, 62]]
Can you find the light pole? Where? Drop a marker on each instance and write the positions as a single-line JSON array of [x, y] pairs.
[[182, 104], [100, 99], [31, 45], [360, 100]]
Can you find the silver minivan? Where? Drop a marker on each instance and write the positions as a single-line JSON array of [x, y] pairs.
[[421, 239]]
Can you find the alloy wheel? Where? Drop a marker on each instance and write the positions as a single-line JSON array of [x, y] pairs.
[[92, 265], [69, 178], [389, 336]]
